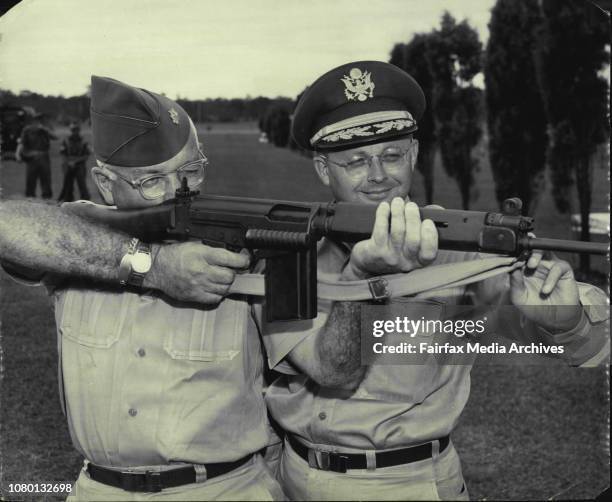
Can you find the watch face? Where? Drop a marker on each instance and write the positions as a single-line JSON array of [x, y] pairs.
[[141, 263]]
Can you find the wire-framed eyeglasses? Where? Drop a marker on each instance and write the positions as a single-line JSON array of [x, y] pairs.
[[157, 185], [391, 158]]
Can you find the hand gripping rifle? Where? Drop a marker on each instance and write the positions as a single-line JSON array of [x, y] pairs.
[[286, 233]]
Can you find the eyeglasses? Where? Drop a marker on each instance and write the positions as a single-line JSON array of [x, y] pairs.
[[157, 185], [391, 159]]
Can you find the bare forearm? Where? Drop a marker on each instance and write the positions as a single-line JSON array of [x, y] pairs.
[[339, 347], [46, 238]]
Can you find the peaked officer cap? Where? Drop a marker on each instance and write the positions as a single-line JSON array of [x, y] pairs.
[[357, 103], [133, 127]]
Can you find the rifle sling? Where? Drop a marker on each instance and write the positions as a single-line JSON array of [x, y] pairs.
[[424, 282]]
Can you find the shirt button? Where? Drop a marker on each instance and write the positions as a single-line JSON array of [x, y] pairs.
[[133, 412], [322, 415], [142, 352]]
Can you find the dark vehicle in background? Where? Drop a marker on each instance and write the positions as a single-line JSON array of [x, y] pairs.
[[13, 118]]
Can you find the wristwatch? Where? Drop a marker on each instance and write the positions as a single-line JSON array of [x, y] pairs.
[[135, 263]]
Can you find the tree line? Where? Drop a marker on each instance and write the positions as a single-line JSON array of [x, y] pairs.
[[64, 110], [545, 101]]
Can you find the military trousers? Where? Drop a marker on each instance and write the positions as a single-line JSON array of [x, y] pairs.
[[79, 174], [39, 168], [251, 481], [436, 478]]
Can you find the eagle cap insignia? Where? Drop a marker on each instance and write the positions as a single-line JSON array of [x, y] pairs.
[[174, 116], [358, 85]]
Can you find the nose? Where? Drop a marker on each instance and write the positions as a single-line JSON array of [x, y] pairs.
[[174, 183], [376, 172]]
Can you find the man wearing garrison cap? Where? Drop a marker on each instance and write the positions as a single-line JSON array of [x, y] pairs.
[[160, 395], [382, 432]]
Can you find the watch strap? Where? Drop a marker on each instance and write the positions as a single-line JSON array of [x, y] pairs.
[[127, 274], [136, 278]]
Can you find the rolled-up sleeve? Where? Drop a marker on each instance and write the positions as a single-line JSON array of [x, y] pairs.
[[588, 343]]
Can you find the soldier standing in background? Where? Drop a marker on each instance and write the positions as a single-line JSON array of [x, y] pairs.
[[75, 152], [33, 149]]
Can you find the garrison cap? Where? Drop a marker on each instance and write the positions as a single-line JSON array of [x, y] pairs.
[[133, 127], [355, 104]]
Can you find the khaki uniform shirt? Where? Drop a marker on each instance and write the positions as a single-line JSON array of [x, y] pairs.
[[395, 405], [147, 382]]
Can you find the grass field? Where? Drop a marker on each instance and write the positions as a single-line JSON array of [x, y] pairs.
[[528, 433]]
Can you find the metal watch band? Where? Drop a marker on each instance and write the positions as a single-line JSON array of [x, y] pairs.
[[125, 267], [136, 278]]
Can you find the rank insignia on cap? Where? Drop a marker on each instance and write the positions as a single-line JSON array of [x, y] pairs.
[[407, 122], [174, 115], [358, 85], [344, 108]]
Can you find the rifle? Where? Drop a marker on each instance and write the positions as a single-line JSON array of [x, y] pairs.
[[285, 233]]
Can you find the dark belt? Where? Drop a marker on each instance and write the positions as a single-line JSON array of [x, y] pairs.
[[156, 481], [340, 462]]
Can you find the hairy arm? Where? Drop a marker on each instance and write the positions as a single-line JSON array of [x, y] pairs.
[[336, 349], [38, 238], [46, 239]]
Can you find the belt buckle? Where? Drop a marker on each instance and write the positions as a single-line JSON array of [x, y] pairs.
[[132, 481], [327, 461]]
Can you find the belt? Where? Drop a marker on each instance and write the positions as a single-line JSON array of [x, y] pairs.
[[156, 481], [340, 462]]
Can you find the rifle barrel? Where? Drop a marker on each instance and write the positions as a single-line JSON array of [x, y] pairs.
[[568, 246]]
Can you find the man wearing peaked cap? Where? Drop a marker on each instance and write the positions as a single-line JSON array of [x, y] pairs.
[[162, 398], [383, 432], [357, 104]]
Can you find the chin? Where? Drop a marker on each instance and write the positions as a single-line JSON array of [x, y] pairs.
[[377, 198]]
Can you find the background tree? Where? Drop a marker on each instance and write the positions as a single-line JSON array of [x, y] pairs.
[[412, 58], [276, 124], [573, 48], [454, 56], [292, 144], [515, 111]]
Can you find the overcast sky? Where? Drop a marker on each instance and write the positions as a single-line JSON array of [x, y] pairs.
[[207, 48]]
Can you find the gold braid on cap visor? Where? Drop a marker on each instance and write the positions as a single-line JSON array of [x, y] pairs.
[[368, 124]]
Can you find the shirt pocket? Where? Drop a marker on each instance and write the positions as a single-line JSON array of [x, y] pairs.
[[90, 318], [207, 335]]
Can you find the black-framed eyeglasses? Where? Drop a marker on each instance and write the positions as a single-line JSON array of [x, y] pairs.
[[157, 185]]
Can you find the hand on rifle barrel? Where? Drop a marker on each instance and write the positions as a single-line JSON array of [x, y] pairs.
[[400, 242]]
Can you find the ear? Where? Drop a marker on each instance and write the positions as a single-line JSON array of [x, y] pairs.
[[320, 165], [415, 152], [104, 183]]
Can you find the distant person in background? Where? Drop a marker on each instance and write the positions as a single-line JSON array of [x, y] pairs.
[[75, 152], [33, 149]]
